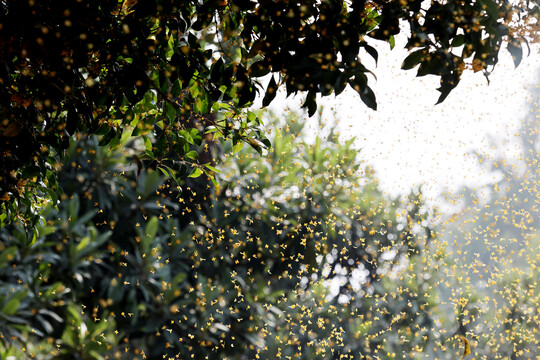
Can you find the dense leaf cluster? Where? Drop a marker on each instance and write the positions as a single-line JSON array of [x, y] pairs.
[[181, 71], [123, 266], [299, 255]]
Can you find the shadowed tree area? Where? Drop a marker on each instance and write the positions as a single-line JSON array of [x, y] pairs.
[[148, 212], [294, 255], [163, 70]]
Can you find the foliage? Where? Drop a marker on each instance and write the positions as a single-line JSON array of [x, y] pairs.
[[179, 72], [297, 255]]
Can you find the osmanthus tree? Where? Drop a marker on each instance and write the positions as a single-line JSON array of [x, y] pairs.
[[346, 277], [180, 72], [298, 255]]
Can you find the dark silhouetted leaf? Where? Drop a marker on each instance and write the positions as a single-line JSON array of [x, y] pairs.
[[514, 47], [311, 103], [359, 83], [371, 51], [271, 92], [414, 59], [458, 40]]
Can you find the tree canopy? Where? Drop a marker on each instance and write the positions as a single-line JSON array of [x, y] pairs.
[[182, 74], [123, 268]]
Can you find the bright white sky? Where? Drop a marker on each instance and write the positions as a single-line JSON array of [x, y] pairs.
[[409, 140]]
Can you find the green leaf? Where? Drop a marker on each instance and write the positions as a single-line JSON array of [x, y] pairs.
[[82, 220], [106, 139], [238, 147], [203, 103], [151, 227], [95, 242], [170, 111], [51, 193], [84, 243], [492, 9], [150, 232], [164, 171], [210, 167], [251, 116], [52, 290], [195, 173], [74, 206], [126, 137], [178, 279], [95, 355], [458, 40], [176, 89], [163, 83], [103, 129], [172, 173], [7, 255], [147, 143], [31, 171], [193, 155], [186, 135], [11, 307], [213, 179]]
